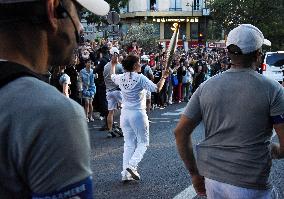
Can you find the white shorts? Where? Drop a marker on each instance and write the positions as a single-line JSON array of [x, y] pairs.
[[113, 98]]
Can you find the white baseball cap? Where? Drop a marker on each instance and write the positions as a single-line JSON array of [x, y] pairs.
[[247, 37], [99, 7], [145, 58], [114, 50]]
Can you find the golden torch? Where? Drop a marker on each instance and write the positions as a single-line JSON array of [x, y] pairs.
[[173, 44]]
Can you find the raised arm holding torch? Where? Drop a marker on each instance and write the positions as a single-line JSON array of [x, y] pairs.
[[173, 44]]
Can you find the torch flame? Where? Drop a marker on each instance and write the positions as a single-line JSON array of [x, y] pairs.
[[174, 27]]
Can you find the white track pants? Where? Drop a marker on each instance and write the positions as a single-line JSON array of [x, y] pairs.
[[135, 127]]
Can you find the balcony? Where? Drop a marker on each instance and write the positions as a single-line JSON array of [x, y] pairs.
[[159, 8], [172, 12], [195, 13], [175, 9]]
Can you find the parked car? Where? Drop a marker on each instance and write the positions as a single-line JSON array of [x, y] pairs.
[[273, 65]]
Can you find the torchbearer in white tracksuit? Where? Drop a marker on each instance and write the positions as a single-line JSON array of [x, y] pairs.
[[134, 120]]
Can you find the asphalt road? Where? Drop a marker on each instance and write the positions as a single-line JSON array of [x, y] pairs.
[[163, 174]]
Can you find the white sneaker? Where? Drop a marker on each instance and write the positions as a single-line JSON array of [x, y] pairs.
[[133, 172], [87, 119], [127, 177], [91, 119]]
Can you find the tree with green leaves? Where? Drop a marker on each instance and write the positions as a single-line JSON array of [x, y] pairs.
[[267, 15], [145, 35]]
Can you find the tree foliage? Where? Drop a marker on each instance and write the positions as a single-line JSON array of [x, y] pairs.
[[267, 15], [145, 35], [214, 31]]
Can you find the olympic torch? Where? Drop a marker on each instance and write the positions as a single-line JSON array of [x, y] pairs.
[[173, 45]]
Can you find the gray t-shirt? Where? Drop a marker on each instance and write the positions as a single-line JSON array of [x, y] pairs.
[[147, 71], [236, 108], [110, 85], [44, 141]]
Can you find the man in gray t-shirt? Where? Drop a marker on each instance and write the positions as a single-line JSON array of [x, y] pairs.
[[147, 71], [44, 139], [239, 108], [113, 93]]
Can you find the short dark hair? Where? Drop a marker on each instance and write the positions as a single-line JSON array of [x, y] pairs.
[[236, 55], [235, 50], [129, 62]]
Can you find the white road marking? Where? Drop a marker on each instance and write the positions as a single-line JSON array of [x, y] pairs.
[[171, 114], [188, 193], [176, 112]]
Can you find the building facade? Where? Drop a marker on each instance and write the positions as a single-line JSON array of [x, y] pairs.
[[91, 31], [193, 16]]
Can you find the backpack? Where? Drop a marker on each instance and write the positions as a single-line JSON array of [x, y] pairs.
[[10, 71]]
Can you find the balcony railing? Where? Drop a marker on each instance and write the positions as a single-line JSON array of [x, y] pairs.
[[175, 9]]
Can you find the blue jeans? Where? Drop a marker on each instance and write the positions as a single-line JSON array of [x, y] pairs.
[[219, 190]]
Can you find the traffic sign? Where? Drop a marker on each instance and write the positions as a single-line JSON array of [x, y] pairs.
[[206, 12], [113, 18]]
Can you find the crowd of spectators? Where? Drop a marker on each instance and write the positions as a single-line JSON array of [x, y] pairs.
[[188, 70]]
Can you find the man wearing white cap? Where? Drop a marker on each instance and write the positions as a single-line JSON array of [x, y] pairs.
[[44, 141], [239, 109]]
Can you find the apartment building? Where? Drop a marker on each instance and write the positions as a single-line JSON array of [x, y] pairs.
[[193, 16]]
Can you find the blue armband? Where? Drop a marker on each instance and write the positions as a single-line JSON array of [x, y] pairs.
[[277, 119], [82, 190]]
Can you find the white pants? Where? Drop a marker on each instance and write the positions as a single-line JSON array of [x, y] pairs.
[[135, 127]]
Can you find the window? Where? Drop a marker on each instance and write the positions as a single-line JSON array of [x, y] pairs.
[[194, 30], [275, 59], [196, 5], [175, 5], [153, 5]]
